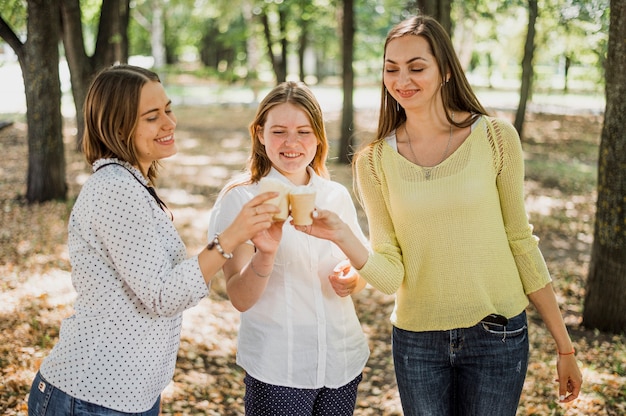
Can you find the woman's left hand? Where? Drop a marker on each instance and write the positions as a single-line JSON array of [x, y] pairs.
[[344, 279], [570, 378]]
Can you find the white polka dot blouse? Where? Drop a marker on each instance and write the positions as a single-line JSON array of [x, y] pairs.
[[133, 281]]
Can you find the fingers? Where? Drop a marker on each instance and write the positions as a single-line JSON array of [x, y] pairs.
[[568, 391]]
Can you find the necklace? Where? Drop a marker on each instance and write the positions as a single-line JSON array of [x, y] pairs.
[[427, 169]]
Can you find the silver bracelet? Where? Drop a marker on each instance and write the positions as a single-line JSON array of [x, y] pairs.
[[215, 243], [264, 276]]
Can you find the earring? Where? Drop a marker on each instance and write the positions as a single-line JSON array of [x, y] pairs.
[[397, 106]]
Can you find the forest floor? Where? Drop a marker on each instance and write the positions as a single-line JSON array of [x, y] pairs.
[[36, 292]]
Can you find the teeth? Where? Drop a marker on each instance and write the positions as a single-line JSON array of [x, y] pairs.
[[164, 139], [291, 154]]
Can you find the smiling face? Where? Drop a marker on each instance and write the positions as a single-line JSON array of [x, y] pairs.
[[154, 133], [289, 140], [411, 74]]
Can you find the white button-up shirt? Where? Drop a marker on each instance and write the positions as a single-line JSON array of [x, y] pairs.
[[300, 333], [133, 281]]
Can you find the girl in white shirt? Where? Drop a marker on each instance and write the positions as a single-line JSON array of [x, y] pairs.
[[300, 341], [117, 353]]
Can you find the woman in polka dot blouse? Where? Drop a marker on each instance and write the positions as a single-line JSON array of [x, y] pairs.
[[117, 353], [300, 341]]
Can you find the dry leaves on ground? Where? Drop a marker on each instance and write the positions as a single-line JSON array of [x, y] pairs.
[[36, 293]]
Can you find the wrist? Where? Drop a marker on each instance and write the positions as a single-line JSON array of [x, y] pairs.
[[566, 352], [216, 244], [263, 271]]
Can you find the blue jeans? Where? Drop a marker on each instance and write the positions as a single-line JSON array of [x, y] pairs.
[[47, 400], [468, 371]]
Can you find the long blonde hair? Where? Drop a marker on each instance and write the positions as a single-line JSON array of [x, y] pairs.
[[111, 114]]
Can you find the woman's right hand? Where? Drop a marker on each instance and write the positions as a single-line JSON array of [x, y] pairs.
[[326, 225], [255, 217]]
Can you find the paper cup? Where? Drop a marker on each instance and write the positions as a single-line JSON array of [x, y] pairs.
[[281, 201], [302, 205]]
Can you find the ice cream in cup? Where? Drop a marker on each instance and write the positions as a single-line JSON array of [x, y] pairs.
[[282, 200], [302, 201]]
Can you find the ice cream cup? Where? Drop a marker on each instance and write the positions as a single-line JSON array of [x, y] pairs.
[[281, 201], [302, 201]]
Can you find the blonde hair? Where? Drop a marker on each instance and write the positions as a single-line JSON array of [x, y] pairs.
[[298, 94], [111, 114]]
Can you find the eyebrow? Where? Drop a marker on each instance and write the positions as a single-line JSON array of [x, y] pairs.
[[156, 109], [417, 58], [284, 127]]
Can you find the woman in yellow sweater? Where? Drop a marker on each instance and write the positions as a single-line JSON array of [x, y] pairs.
[[442, 187]]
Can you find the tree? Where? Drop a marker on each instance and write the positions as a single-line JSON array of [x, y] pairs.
[[38, 57], [111, 46], [278, 60], [347, 115], [439, 9], [527, 66], [604, 306]]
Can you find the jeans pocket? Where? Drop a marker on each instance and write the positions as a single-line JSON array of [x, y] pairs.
[[39, 396]]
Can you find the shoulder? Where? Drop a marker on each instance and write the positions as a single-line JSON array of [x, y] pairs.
[[503, 127], [332, 188], [236, 194]]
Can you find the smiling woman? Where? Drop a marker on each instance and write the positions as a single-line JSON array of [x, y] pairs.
[[154, 134], [130, 269]]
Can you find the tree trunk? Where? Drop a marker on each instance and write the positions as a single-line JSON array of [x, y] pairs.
[[79, 64], [527, 66], [112, 41], [40, 69], [113, 26], [347, 115], [439, 9], [604, 306], [302, 45]]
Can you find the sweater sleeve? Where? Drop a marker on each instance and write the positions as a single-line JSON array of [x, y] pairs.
[[384, 268], [530, 263]]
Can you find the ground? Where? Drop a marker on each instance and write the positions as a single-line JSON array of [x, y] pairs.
[[36, 293]]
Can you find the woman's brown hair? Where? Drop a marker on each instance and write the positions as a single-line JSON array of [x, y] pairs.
[[111, 114], [456, 93]]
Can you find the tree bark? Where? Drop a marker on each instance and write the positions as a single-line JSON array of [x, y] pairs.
[[604, 306], [347, 114], [439, 9], [527, 66], [39, 60], [111, 47], [80, 65]]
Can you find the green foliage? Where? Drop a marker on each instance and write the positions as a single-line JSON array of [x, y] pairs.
[[14, 13]]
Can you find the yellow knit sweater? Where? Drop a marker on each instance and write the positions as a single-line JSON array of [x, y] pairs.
[[455, 245]]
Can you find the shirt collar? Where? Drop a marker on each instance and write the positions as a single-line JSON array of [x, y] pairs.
[[128, 166]]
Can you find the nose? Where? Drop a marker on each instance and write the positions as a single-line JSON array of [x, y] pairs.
[[170, 122], [403, 77], [291, 138]]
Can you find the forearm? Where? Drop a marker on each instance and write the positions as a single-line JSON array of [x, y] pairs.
[[546, 304], [246, 286], [352, 247]]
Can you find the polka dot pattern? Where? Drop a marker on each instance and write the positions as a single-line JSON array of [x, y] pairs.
[[133, 282], [262, 399]]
